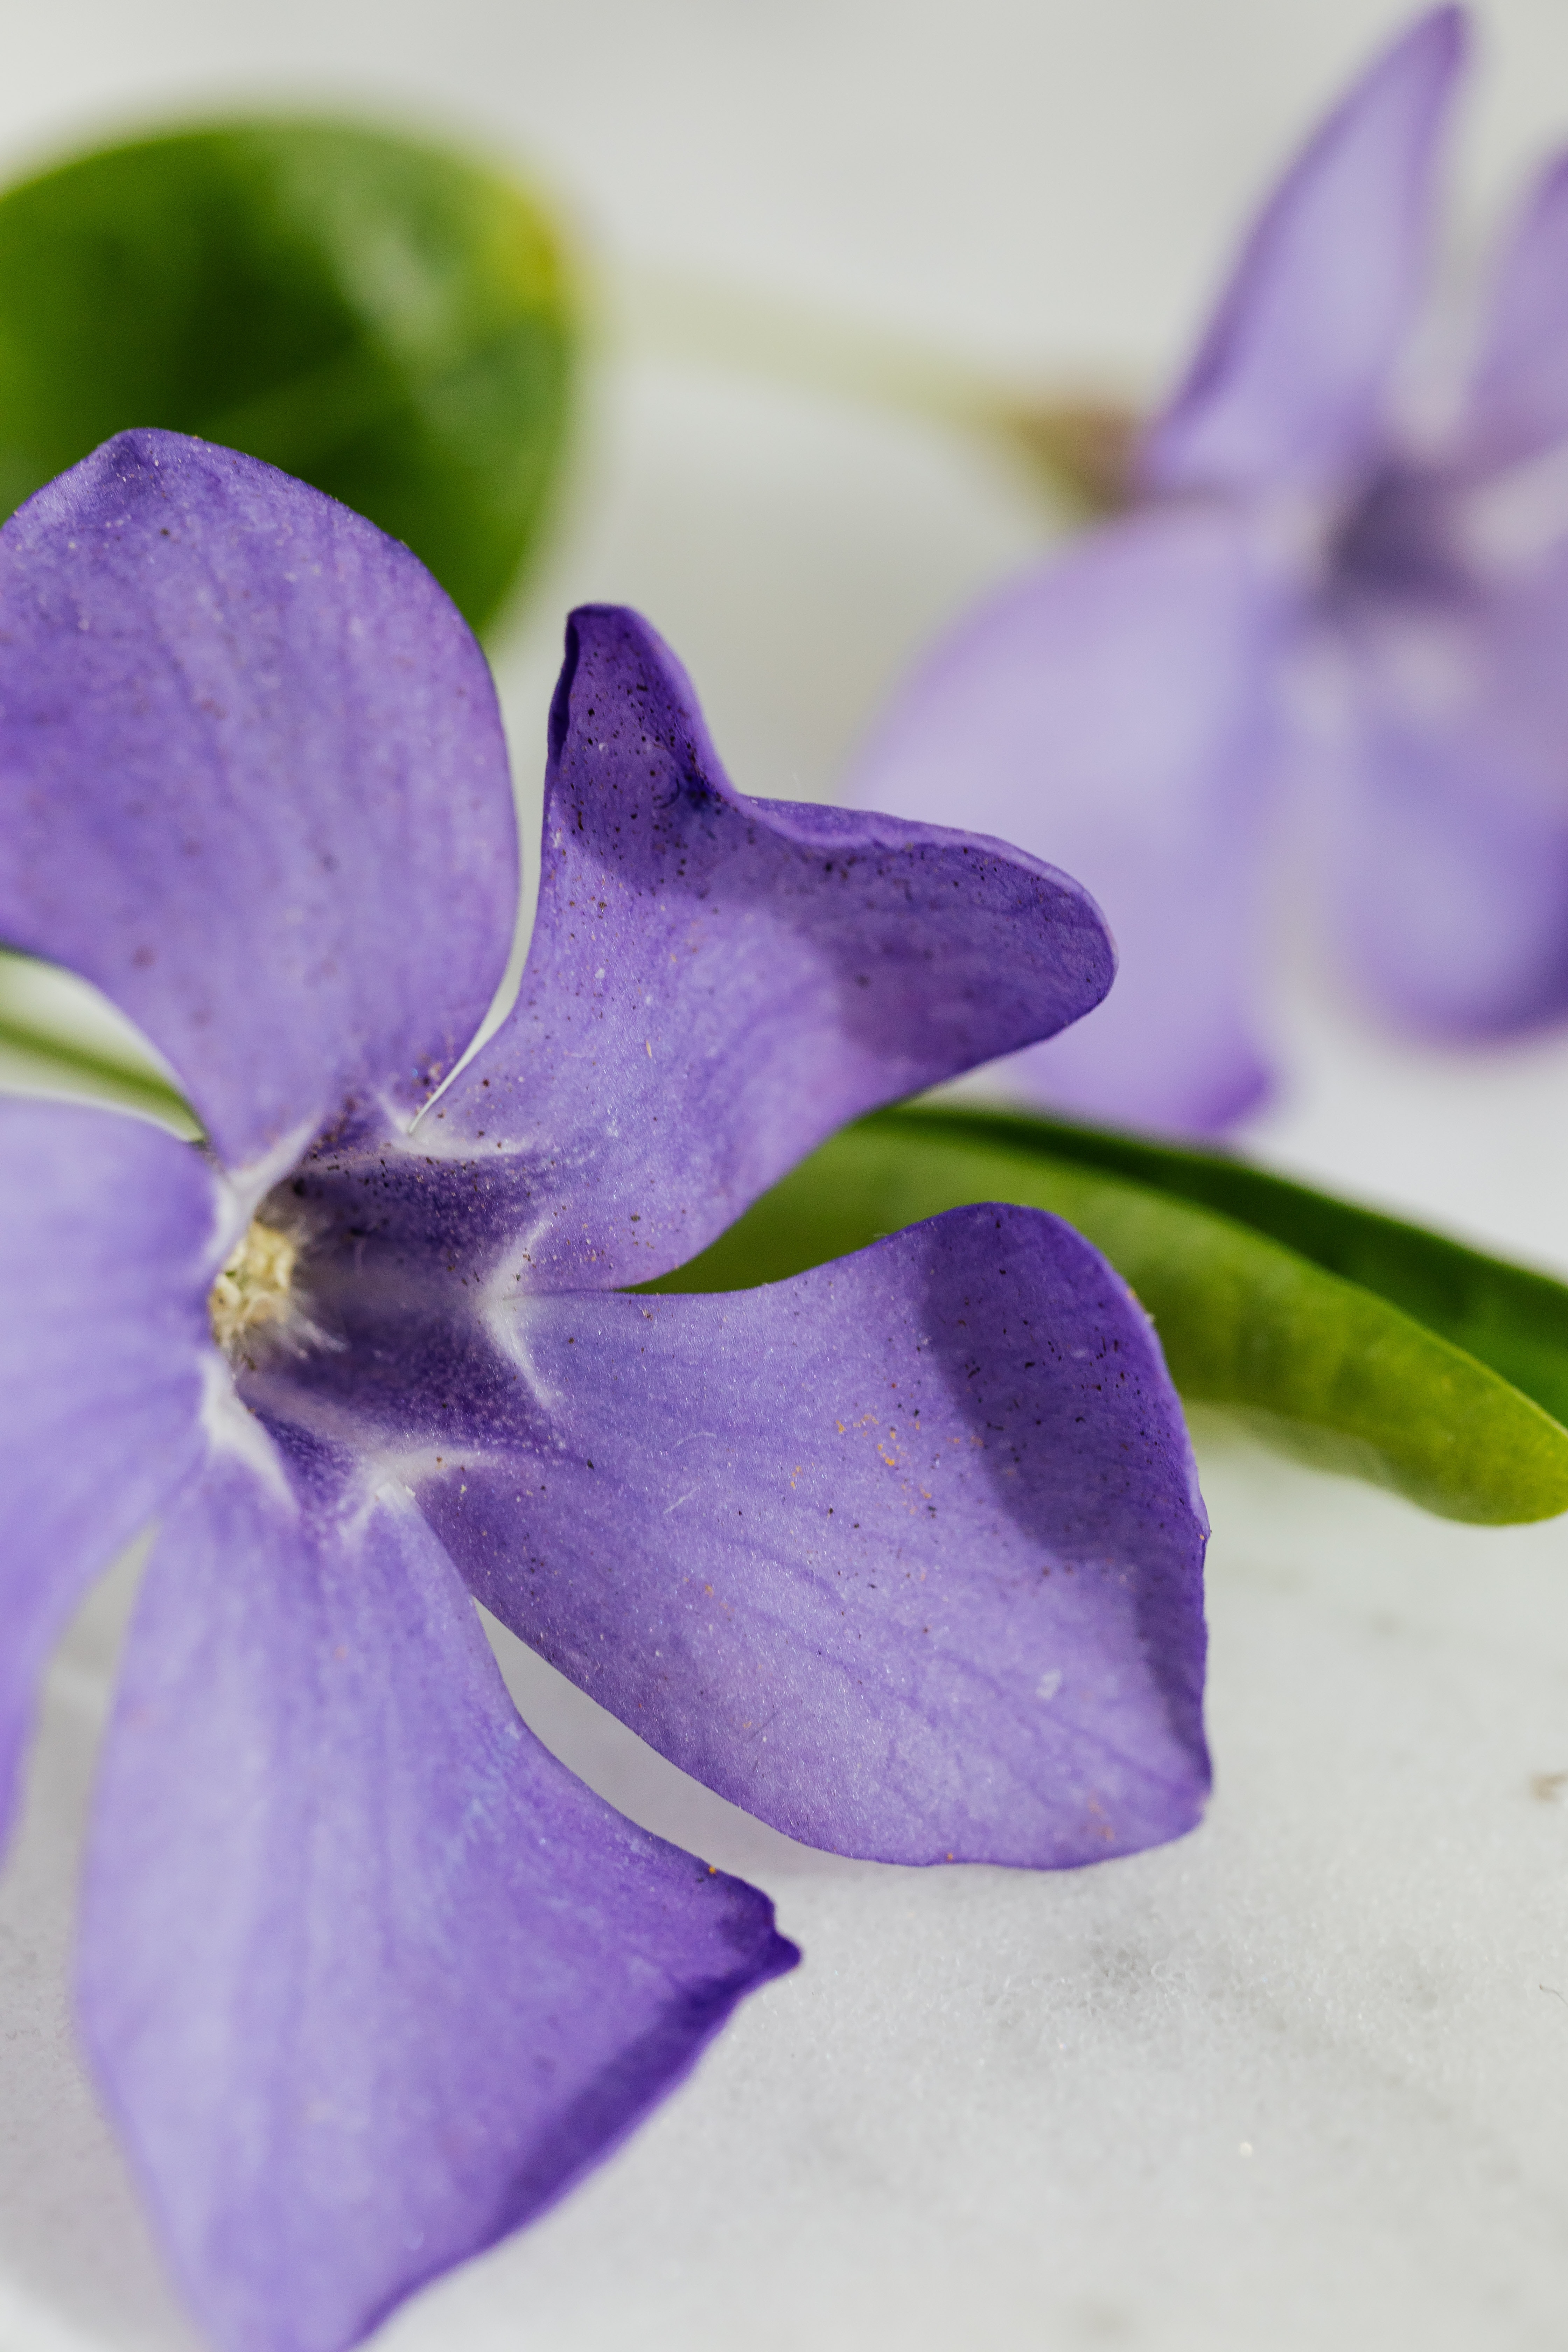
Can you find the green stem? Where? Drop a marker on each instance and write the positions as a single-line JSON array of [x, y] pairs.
[[1079, 445]]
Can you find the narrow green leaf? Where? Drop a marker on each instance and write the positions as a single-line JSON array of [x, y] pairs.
[[30, 1062], [60, 1035], [1512, 1318], [1330, 1367], [383, 319]]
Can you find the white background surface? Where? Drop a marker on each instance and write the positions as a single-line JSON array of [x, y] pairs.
[[1302, 2081]]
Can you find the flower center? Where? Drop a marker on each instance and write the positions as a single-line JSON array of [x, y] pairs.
[[255, 1288]]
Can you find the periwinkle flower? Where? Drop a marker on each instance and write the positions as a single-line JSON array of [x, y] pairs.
[[1334, 613], [903, 1554]]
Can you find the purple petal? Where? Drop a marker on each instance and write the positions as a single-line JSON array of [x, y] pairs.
[[1519, 395], [716, 983], [252, 783], [107, 1231], [1289, 382], [368, 1977], [903, 1555], [1450, 859], [1113, 711]]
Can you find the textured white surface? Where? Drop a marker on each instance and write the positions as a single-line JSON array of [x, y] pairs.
[[1302, 2081]]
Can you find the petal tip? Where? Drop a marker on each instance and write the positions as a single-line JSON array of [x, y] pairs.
[[615, 646]]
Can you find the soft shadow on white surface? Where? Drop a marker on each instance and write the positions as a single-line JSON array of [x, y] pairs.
[[1300, 2080]]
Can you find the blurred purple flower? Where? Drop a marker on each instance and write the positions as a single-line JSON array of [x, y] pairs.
[[904, 1554], [1321, 620]]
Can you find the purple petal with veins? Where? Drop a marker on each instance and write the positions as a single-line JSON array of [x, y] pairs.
[[368, 1977], [108, 1244], [903, 1555], [253, 784], [715, 984]]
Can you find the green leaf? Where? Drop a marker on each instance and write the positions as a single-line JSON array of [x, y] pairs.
[[1364, 1344], [30, 1063], [60, 1035], [1510, 1317], [383, 319]]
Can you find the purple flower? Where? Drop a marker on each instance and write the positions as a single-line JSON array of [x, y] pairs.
[[1324, 612], [904, 1554]]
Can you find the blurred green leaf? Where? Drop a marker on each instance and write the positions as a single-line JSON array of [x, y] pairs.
[[60, 1035], [30, 1063], [1361, 1343], [386, 320]]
